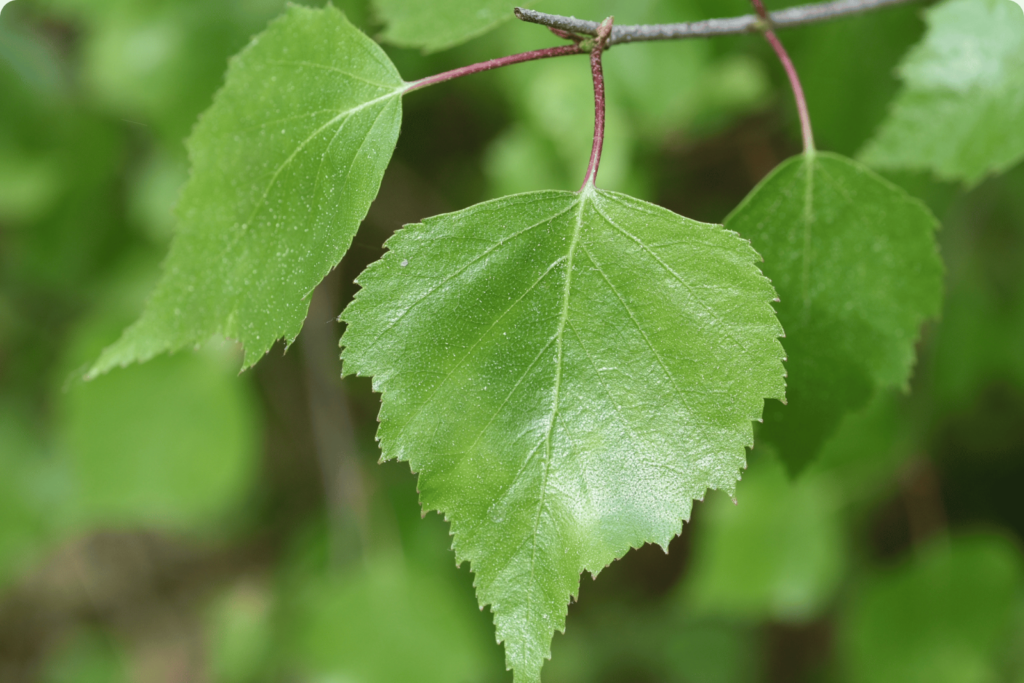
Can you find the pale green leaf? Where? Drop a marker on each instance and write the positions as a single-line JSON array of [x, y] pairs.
[[87, 655], [284, 167], [27, 495], [566, 372], [160, 62], [777, 553], [942, 616], [960, 111], [849, 98], [239, 632], [170, 444], [441, 24], [385, 621], [856, 265]]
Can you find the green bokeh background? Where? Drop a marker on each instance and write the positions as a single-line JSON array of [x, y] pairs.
[[177, 521]]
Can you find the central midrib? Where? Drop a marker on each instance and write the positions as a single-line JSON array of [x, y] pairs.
[[559, 335], [808, 220]]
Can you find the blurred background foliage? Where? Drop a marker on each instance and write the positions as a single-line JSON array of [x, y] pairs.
[[178, 522]]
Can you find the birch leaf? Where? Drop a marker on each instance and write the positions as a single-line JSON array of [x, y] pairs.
[[856, 265], [285, 164], [566, 372], [960, 111]]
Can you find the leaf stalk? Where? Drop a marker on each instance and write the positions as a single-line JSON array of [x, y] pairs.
[[600, 44], [530, 56], [794, 79]]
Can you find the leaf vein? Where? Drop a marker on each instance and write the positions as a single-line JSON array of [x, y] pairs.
[[291, 157], [650, 459], [326, 67], [477, 343], [689, 288], [647, 340], [555, 399], [463, 269]]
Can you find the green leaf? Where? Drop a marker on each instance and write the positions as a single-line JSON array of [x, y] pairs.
[[87, 655], [867, 451], [959, 114], [284, 167], [441, 24], [382, 621], [566, 372], [777, 553], [849, 98], [170, 444], [856, 265], [652, 642], [941, 617], [30, 492], [160, 62]]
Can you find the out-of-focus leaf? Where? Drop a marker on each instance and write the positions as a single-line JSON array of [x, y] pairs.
[[441, 24], [383, 622], [87, 657], [153, 194], [863, 456], [849, 98], [172, 443], [941, 617], [856, 265], [58, 165], [241, 634], [977, 344], [284, 167], [959, 114], [777, 554], [30, 495], [566, 372], [521, 160], [158, 63], [641, 642]]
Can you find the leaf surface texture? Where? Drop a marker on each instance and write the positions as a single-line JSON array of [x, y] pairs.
[[566, 372], [856, 265], [284, 167]]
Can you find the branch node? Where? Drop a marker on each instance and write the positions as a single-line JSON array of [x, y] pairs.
[[604, 31]]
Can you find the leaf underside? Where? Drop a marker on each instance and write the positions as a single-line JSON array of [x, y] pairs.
[[856, 265], [960, 111], [285, 164], [566, 372]]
